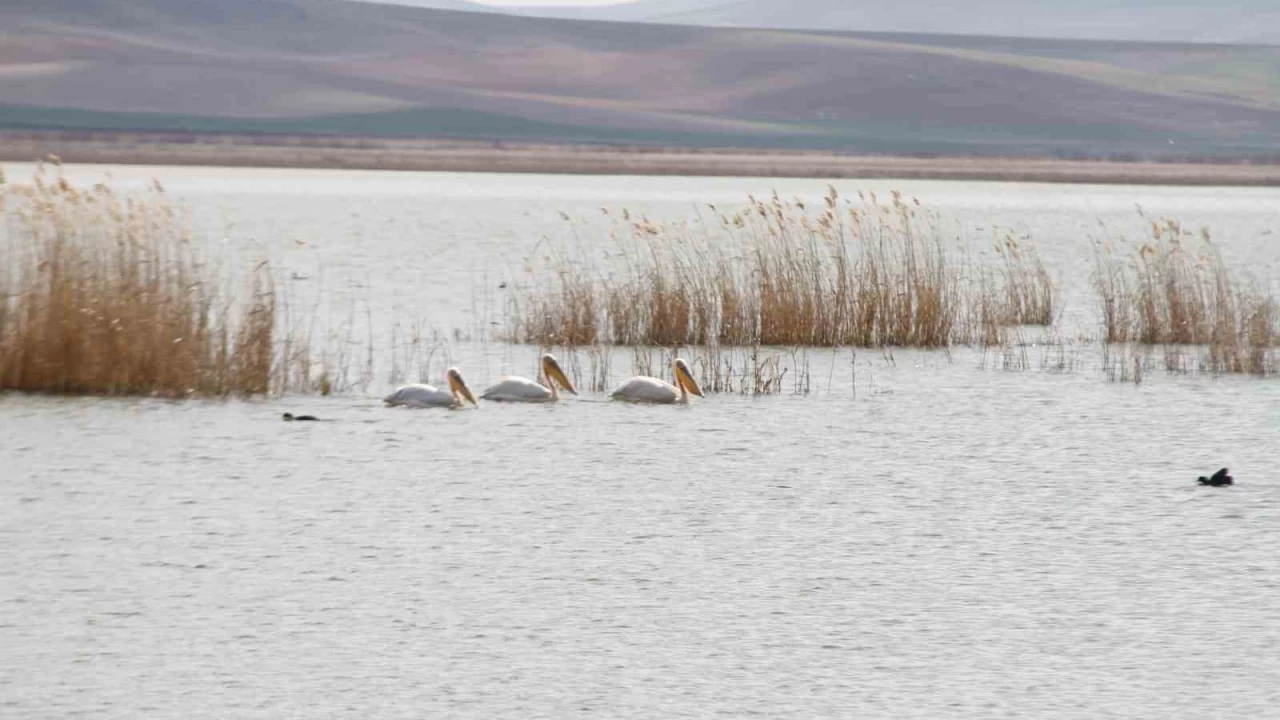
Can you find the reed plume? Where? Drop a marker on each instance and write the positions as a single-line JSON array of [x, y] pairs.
[[778, 273], [105, 294]]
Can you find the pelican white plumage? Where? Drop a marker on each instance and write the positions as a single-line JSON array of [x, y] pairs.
[[652, 390], [518, 389], [428, 396]]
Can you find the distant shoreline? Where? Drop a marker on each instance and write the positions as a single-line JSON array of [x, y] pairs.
[[474, 156]]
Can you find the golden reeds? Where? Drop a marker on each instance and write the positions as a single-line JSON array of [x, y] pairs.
[[103, 294], [1176, 290], [777, 274]]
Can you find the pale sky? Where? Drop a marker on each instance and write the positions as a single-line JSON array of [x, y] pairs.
[[567, 3]]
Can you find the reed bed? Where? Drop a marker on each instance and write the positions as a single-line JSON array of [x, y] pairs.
[[777, 273], [1176, 291], [105, 294]]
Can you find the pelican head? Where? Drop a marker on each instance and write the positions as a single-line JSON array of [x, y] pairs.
[[684, 378], [551, 369], [458, 386]]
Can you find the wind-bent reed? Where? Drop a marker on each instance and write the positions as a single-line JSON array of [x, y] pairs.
[[1176, 290], [777, 274], [103, 294]]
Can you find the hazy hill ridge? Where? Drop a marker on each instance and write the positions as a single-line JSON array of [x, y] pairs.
[[334, 66], [1223, 21]]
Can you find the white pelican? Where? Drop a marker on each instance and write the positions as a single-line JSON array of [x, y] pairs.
[[427, 396], [518, 389], [653, 390]]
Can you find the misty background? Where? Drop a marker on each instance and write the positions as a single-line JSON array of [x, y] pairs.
[[1154, 79]]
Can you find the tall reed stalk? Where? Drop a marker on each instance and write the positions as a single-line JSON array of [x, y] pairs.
[[777, 273], [105, 294], [1176, 290]]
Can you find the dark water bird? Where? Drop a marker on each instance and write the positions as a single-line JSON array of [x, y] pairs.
[[289, 417], [1218, 479]]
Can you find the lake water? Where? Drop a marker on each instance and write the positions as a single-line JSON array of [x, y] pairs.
[[922, 535]]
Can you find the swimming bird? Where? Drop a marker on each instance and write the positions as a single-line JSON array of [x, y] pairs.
[[290, 417], [652, 390], [518, 389], [1218, 479], [427, 396]]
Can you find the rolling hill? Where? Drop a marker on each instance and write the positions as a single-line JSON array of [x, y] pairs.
[[344, 68]]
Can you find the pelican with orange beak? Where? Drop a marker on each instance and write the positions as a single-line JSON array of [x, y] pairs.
[[428, 396], [652, 390], [518, 389]]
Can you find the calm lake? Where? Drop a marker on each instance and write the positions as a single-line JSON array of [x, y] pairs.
[[922, 534]]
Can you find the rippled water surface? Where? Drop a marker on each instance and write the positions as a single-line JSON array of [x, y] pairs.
[[920, 536]]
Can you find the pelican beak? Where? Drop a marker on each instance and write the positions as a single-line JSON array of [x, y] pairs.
[[552, 370], [687, 381], [459, 387]]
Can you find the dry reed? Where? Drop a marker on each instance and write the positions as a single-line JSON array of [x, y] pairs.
[[1176, 290], [104, 294], [778, 274]]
